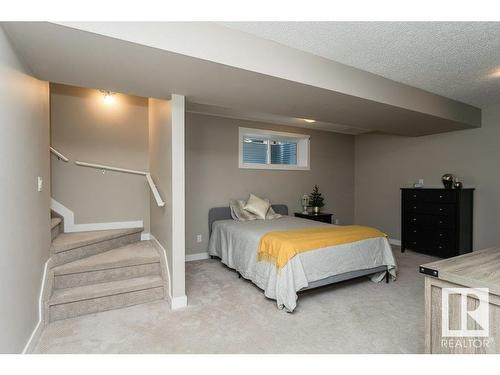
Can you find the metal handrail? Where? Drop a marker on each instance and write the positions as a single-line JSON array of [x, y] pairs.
[[154, 190], [149, 179], [58, 154]]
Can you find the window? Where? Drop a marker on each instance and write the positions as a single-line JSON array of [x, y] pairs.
[[266, 149]]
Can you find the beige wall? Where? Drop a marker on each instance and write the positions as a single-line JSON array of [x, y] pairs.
[[386, 163], [85, 128], [213, 176], [25, 216]]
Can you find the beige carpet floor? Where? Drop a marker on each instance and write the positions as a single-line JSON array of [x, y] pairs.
[[231, 315]]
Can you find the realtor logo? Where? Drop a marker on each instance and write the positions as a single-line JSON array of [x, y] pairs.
[[473, 310]]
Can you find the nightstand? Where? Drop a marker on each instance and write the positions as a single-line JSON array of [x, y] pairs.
[[322, 216]]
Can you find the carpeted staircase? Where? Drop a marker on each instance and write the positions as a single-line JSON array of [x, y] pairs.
[[55, 227], [101, 270]]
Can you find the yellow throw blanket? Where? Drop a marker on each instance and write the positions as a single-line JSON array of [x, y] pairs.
[[280, 247]]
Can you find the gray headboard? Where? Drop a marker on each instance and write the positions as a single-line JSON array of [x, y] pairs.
[[224, 213]]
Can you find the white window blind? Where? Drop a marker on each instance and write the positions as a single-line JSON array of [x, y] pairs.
[[283, 153], [255, 151], [259, 151], [273, 150]]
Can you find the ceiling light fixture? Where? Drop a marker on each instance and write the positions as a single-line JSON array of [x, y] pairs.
[[495, 73], [309, 121], [108, 96]]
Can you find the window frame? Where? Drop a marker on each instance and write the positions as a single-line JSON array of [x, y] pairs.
[[303, 148]]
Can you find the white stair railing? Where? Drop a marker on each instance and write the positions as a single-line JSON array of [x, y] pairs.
[[149, 179], [154, 190], [109, 168], [58, 154]]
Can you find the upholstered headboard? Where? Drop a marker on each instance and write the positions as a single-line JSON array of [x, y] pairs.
[[224, 213]]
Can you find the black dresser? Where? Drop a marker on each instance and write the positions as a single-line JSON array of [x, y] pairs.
[[323, 217], [437, 221]]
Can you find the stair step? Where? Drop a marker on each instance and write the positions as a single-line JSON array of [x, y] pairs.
[[71, 302], [55, 227], [68, 247], [129, 255], [134, 260], [68, 241], [54, 222], [60, 296], [107, 275]]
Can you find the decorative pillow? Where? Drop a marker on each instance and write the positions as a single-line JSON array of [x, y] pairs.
[[238, 212], [257, 206], [271, 215]]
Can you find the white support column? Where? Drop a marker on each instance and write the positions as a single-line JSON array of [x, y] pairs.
[[179, 298]]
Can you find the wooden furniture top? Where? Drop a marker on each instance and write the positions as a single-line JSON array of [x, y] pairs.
[[479, 269]]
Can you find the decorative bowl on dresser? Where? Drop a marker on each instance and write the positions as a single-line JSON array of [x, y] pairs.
[[437, 221]]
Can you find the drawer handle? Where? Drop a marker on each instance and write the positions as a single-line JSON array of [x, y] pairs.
[[440, 247], [414, 231], [440, 234], [440, 221], [440, 196], [414, 195], [414, 207], [414, 219], [440, 209]]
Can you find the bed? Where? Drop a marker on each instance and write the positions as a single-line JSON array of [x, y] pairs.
[[236, 244]]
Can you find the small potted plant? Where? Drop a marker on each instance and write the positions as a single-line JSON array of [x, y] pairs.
[[316, 200]]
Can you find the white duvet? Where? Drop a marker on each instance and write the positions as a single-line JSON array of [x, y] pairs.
[[236, 243]]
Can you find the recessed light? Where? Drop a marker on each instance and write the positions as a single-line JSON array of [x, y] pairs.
[[309, 120], [495, 73]]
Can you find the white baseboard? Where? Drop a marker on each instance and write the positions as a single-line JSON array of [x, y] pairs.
[[198, 256], [70, 226], [395, 242], [178, 302], [174, 302], [145, 236], [33, 339], [164, 260], [66, 213]]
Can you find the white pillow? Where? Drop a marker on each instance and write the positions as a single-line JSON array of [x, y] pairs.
[[257, 206], [238, 213], [271, 215]]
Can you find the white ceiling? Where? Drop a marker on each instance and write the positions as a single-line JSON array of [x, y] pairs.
[[459, 60], [272, 119], [277, 83]]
